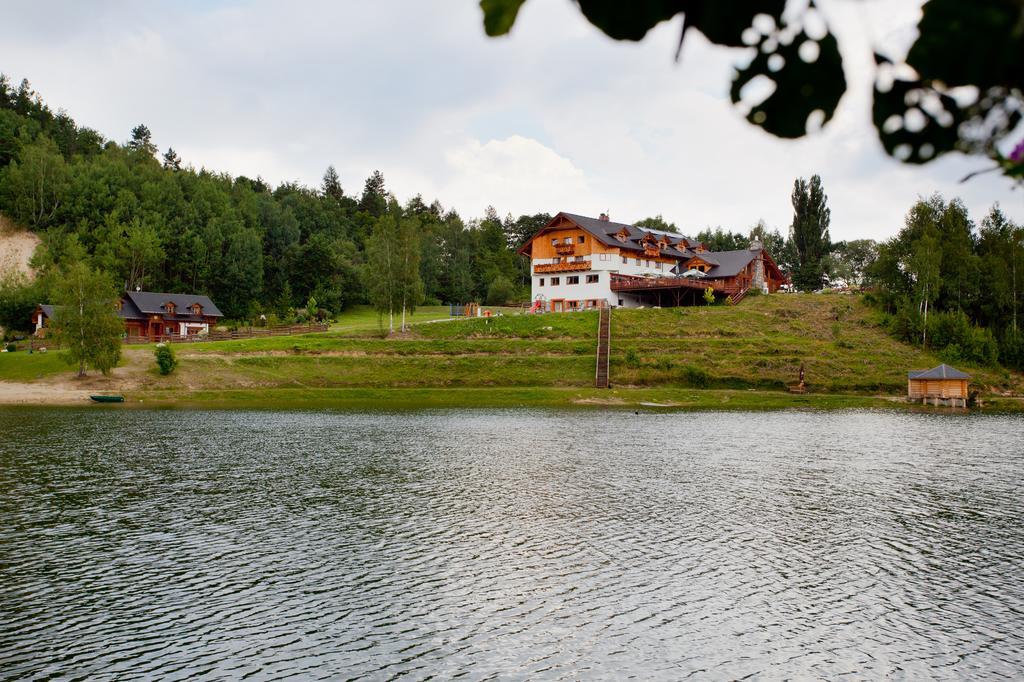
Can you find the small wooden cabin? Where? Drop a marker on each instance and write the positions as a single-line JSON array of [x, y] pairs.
[[942, 385]]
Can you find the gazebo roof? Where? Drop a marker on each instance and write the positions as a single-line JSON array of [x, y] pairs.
[[943, 371]]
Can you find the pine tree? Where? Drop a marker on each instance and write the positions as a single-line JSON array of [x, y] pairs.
[[171, 160], [374, 200], [142, 140], [331, 185]]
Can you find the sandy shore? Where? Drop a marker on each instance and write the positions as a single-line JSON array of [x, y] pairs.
[[12, 393]]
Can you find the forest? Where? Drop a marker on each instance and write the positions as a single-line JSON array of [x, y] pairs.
[[149, 220]]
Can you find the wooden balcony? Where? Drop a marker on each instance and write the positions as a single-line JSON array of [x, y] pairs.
[[565, 249], [561, 267]]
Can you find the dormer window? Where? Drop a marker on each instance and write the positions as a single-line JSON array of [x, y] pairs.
[[169, 307], [197, 309]]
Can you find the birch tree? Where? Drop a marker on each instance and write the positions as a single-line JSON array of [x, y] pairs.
[[85, 321]]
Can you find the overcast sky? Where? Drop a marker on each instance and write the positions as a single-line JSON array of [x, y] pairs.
[[554, 117]]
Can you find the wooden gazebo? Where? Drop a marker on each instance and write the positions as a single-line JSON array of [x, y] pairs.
[[942, 385]]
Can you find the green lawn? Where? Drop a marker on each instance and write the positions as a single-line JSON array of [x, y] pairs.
[[22, 366]]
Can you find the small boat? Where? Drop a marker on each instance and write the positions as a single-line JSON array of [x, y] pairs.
[[107, 398]]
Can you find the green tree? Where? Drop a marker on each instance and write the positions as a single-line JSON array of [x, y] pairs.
[[721, 239], [33, 187], [851, 260], [171, 160], [410, 285], [331, 184], [85, 321], [925, 261], [165, 360], [809, 232], [142, 141], [709, 296], [657, 223], [500, 291], [374, 200], [382, 265]]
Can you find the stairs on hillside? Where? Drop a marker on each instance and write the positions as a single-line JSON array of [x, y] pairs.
[[604, 337]]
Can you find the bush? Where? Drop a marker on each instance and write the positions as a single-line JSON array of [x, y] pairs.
[[632, 359], [11, 348], [696, 377], [165, 359], [501, 291]]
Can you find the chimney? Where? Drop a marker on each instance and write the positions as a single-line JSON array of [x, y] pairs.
[[604, 217]]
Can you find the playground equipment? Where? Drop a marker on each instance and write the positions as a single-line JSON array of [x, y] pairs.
[[464, 310]]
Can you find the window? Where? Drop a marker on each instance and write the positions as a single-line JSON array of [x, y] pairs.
[[567, 240], [572, 280], [580, 239], [658, 266], [554, 281], [579, 259], [541, 282], [636, 262], [604, 256], [554, 242], [620, 301], [592, 279], [556, 260], [170, 308], [625, 260]]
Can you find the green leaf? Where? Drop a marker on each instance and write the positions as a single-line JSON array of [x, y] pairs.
[[801, 87], [499, 15]]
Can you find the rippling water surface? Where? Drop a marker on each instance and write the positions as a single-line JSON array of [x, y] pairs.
[[511, 544]]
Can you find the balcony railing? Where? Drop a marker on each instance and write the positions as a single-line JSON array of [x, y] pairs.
[[565, 249], [561, 267]]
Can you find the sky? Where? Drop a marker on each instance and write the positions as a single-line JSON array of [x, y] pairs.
[[554, 117]]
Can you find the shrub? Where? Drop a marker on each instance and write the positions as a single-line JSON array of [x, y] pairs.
[[165, 360], [632, 359], [696, 377], [500, 291], [11, 348]]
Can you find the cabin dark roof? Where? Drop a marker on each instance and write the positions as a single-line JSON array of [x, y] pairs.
[[47, 310], [729, 263], [943, 371], [153, 303]]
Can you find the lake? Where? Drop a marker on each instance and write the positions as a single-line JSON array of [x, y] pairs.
[[511, 544]]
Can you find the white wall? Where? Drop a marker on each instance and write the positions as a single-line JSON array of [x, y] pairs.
[[602, 267]]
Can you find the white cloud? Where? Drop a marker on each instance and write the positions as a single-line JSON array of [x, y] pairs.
[[553, 117], [515, 171]]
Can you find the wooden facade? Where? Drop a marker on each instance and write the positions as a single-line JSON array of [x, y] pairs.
[[153, 316], [581, 262], [942, 385]]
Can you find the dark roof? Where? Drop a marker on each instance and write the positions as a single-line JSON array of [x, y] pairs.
[[730, 263], [943, 371], [606, 230], [152, 303], [47, 310]]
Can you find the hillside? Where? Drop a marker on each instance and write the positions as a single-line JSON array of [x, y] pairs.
[[753, 351], [16, 248]]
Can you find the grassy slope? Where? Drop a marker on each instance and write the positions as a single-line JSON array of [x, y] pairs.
[[746, 353]]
